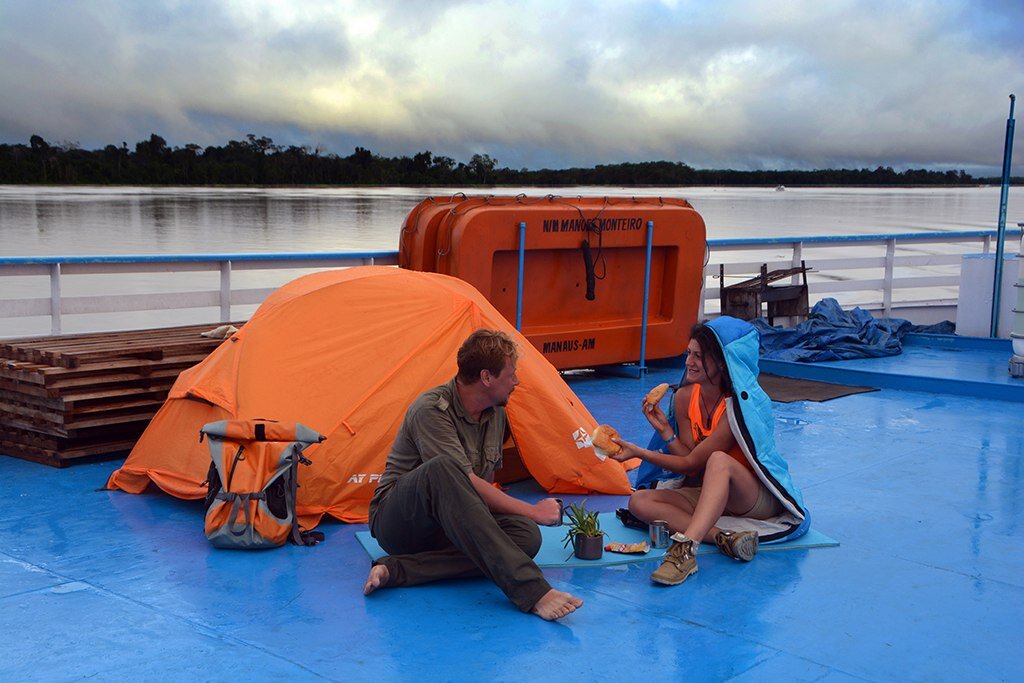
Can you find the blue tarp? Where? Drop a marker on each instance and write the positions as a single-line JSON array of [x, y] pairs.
[[830, 333]]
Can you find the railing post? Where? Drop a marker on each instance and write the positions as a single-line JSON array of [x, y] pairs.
[[987, 244], [647, 298], [368, 261], [798, 256], [997, 277], [225, 291], [55, 322], [890, 258], [519, 284], [703, 294]]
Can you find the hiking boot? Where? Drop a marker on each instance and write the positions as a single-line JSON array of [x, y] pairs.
[[739, 545], [677, 565]]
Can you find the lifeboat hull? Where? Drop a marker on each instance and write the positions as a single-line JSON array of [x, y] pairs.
[[478, 240]]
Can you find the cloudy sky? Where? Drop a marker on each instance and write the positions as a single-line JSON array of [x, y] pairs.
[[537, 83]]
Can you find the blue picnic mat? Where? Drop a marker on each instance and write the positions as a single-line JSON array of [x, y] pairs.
[[554, 554]]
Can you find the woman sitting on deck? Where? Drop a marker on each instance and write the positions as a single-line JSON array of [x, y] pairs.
[[738, 474]]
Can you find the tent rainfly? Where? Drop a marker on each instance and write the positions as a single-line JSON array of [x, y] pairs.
[[345, 352]]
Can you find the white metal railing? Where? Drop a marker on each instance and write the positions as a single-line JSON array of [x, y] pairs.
[[57, 268], [881, 273], [877, 272]]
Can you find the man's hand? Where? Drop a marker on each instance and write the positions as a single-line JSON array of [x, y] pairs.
[[547, 512]]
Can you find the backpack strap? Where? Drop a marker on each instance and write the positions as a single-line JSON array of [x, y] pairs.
[[298, 536], [237, 501]]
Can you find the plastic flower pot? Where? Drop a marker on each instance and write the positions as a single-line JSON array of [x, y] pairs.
[[588, 547]]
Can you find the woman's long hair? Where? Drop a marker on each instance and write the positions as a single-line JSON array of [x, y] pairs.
[[710, 347]]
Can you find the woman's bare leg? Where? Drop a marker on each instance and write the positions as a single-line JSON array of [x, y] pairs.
[[727, 485], [651, 504]]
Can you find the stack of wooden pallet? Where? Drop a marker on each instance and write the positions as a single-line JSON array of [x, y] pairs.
[[73, 396]]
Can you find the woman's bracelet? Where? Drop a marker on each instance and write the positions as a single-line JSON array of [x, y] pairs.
[[671, 439]]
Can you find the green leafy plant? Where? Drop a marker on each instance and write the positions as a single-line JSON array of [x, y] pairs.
[[580, 520]]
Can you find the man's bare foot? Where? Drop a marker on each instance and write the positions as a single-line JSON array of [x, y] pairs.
[[555, 605], [378, 578]]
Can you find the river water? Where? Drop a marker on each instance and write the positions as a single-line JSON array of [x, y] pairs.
[[114, 220], [62, 221]]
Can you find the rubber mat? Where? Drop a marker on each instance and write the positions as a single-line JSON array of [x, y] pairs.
[[789, 389], [553, 552]]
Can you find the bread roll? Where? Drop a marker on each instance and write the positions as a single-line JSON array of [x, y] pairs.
[[655, 395], [602, 440]]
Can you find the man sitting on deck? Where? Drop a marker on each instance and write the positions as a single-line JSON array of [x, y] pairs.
[[435, 510]]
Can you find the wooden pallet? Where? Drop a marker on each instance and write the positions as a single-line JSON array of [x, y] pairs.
[[77, 396]]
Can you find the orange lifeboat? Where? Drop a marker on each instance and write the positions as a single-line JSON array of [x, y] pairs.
[[588, 265], [417, 242]]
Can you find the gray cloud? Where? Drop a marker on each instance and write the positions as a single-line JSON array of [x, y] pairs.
[[738, 84]]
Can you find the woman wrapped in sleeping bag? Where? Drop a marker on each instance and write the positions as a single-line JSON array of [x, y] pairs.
[[735, 489]]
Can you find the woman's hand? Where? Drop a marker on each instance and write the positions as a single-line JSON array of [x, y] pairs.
[[628, 452], [658, 419]]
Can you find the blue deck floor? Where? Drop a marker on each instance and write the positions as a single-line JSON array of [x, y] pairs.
[[943, 364], [922, 489]]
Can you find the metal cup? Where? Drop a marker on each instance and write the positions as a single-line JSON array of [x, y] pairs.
[[659, 533]]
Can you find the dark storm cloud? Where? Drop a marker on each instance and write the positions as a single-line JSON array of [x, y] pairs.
[[736, 83]]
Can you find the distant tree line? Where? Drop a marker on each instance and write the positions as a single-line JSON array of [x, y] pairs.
[[258, 161]]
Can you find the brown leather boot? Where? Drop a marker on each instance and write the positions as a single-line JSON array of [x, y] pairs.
[[678, 564], [739, 545]]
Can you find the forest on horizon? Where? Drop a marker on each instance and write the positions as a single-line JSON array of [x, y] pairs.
[[259, 161]]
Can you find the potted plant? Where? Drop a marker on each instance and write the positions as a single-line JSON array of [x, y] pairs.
[[584, 532]]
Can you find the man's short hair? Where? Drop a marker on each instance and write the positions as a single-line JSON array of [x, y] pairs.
[[485, 350]]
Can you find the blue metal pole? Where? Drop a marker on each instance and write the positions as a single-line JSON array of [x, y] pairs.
[[647, 298], [519, 286], [998, 278]]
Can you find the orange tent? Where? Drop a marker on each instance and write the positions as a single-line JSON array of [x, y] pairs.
[[345, 352]]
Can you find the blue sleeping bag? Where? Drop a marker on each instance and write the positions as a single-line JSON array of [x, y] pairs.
[[750, 416]]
